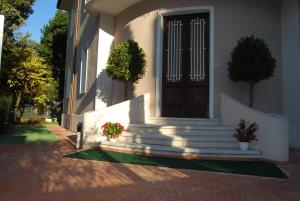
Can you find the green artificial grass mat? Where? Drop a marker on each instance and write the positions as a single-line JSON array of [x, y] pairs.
[[23, 135], [256, 168]]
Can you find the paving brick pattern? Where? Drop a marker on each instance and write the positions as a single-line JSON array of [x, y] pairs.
[[38, 173]]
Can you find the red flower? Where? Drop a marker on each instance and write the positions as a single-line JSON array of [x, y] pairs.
[[245, 134], [112, 130]]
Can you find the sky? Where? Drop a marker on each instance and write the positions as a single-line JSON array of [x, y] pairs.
[[44, 10]]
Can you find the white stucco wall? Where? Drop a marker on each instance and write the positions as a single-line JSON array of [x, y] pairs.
[[233, 20], [136, 110], [1, 35], [273, 138], [291, 67], [105, 45]]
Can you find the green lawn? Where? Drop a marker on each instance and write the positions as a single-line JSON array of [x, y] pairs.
[[22, 135], [257, 168], [50, 123]]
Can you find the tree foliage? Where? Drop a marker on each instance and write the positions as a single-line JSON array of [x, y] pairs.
[[6, 108], [16, 12], [127, 63], [29, 78], [53, 47], [251, 62]]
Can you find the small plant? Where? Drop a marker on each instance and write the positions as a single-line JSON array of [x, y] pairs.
[[245, 132], [112, 130]]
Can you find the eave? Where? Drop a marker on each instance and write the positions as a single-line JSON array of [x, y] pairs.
[[111, 7]]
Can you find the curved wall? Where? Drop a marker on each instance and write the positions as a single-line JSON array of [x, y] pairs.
[[273, 129], [233, 20]]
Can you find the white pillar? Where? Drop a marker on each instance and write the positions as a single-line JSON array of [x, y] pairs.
[[105, 45], [291, 67], [1, 35]]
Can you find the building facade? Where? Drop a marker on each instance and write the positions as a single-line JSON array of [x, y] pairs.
[[187, 46]]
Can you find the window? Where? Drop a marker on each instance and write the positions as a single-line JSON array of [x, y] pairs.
[[85, 2], [83, 69], [68, 83]]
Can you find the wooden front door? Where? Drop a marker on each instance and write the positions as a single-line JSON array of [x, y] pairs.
[[186, 66]]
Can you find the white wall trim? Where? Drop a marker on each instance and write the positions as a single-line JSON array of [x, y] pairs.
[[84, 50], [86, 66], [159, 46], [159, 49]]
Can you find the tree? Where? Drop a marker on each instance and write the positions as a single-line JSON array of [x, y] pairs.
[[29, 78], [53, 47], [127, 63], [16, 12], [251, 62]]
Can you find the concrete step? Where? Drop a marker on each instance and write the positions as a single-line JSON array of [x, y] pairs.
[[221, 141], [183, 121], [180, 129], [184, 151]]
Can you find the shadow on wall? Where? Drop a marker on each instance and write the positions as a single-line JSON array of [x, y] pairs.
[[137, 111], [86, 99], [103, 88]]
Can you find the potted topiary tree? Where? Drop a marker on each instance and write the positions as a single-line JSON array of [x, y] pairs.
[[251, 62], [127, 63]]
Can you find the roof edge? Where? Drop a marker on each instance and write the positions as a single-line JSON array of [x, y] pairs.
[[58, 4], [64, 4]]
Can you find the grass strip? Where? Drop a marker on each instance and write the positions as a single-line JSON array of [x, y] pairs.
[[23, 135]]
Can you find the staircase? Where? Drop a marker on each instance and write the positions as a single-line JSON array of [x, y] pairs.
[[182, 137]]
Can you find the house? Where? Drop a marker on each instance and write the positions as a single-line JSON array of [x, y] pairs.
[[165, 114]]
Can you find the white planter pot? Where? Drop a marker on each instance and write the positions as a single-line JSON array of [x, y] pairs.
[[112, 140], [244, 146], [104, 139]]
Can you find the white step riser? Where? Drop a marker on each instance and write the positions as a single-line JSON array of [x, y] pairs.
[[202, 152], [184, 122], [178, 143], [175, 131]]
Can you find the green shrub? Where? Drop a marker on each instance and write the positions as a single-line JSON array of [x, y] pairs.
[[251, 62], [127, 63]]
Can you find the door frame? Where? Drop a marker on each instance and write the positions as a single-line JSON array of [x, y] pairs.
[[159, 52]]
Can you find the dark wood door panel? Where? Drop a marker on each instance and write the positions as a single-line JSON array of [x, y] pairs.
[[186, 66], [197, 102], [173, 106]]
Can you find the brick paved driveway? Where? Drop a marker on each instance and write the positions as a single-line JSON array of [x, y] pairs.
[[38, 173]]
